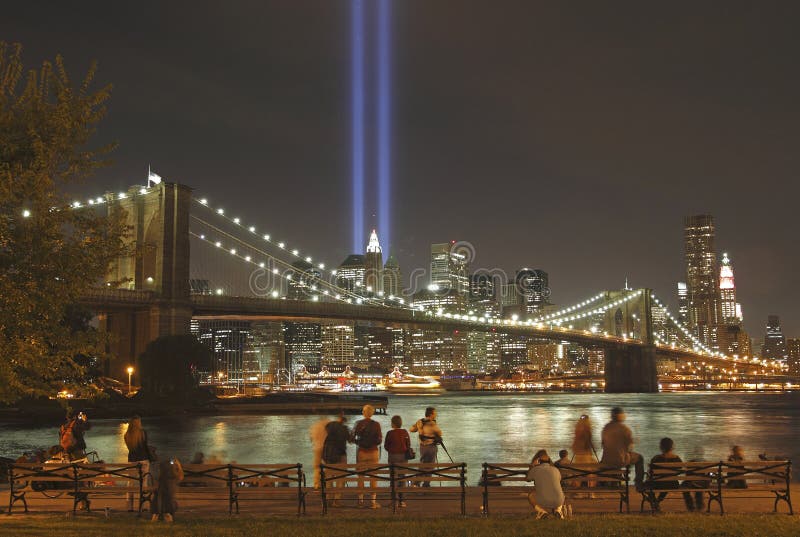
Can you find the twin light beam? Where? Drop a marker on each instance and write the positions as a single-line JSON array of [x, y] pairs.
[[358, 117]]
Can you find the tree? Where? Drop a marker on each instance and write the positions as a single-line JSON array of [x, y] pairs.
[[168, 366], [50, 253]]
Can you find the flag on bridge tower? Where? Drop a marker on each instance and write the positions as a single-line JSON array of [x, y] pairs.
[[153, 178]]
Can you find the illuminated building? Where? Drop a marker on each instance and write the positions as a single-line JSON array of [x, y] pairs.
[[482, 294], [303, 345], [701, 278], [373, 266], [793, 353], [483, 351], [244, 351], [350, 274], [392, 278], [683, 303], [731, 337], [303, 281], [727, 292], [434, 299], [449, 268], [533, 288], [436, 351], [774, 342], [337, 345]]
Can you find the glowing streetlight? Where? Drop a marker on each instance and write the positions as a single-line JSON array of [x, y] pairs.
[[130, 372]]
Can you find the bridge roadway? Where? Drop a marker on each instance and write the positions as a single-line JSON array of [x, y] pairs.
[[257, 308]]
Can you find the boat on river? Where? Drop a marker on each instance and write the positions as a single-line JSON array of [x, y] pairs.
[[410, 384], [305, 402]]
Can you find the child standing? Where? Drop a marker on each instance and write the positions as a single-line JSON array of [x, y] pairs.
[[397, 445]]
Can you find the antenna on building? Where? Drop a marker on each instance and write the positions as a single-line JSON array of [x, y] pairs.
[[626, 284]]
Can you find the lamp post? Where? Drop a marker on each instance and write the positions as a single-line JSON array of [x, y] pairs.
[[130, 372]]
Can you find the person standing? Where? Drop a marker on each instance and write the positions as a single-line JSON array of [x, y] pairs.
[[430, 435], [583, 451], [165, 503], [138, 451], [334, 449], [367, 436], [397, 445], [71, 436], [617, 441], [317, 435]]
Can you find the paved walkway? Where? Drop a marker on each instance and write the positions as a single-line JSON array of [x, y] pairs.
[[418, 505]]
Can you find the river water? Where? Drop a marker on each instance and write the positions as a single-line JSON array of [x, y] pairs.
[[477, 427]]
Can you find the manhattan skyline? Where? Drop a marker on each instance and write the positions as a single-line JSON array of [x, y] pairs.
[[571, 139]]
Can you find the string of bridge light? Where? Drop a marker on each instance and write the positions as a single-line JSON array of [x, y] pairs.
[[569, 309], [697, 343], [266, 237], [695, 340], [334, 287], [344, 295], [595, 311]]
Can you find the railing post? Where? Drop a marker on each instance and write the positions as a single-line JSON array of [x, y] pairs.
[[323, 490], [392, 484], [485, 480], [301, 499], [463, 489]]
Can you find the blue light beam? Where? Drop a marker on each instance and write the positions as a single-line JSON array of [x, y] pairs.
[[384, 123], [357, 113]]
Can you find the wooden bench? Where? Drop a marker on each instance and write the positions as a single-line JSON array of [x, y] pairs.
[[757, 479], [683, 478], [512, 478], [747, 479], [426, 480], [235, 483], [82, 481]]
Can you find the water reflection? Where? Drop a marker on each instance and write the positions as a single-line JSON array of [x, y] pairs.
[[476, 427]]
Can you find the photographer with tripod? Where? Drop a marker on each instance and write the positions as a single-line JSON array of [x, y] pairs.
[[430, 437]]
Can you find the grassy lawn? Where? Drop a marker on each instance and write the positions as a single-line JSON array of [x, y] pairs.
[[584, 526]]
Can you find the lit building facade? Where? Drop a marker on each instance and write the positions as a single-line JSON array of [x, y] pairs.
[[793, 353], [303, 281], [373, 266], [338, 345], [482, 294], [449, 268], [350, 274], [774, 341], [533, 287], [705, 314], [303, 346], [683, 304]]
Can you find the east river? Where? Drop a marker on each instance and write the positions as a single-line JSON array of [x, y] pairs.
[[477, 427]]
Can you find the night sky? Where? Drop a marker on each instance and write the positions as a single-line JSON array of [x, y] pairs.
[[568, 136]]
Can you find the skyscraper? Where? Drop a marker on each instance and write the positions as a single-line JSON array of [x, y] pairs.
[[774, 341], [304, 280], [533, 287], [683, 303], [449, 269], [392, 278], [793, 352], [701, 278], [350, 274], [727, 292], [482, 294], [373, 265]]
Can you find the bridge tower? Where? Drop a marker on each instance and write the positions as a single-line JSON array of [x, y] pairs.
[[632, 368], [157, 268]]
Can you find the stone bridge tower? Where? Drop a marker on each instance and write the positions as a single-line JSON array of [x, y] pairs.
[[157, 270]]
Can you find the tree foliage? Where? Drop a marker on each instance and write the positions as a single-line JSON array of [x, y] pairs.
[[168, 366], [50, 254]]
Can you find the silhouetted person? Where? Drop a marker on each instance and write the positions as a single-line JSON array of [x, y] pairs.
[[617, 446]]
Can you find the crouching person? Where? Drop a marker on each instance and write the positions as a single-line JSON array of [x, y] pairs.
[[165, 502], [547, 497]]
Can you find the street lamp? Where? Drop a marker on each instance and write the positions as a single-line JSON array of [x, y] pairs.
[[130, 372]]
